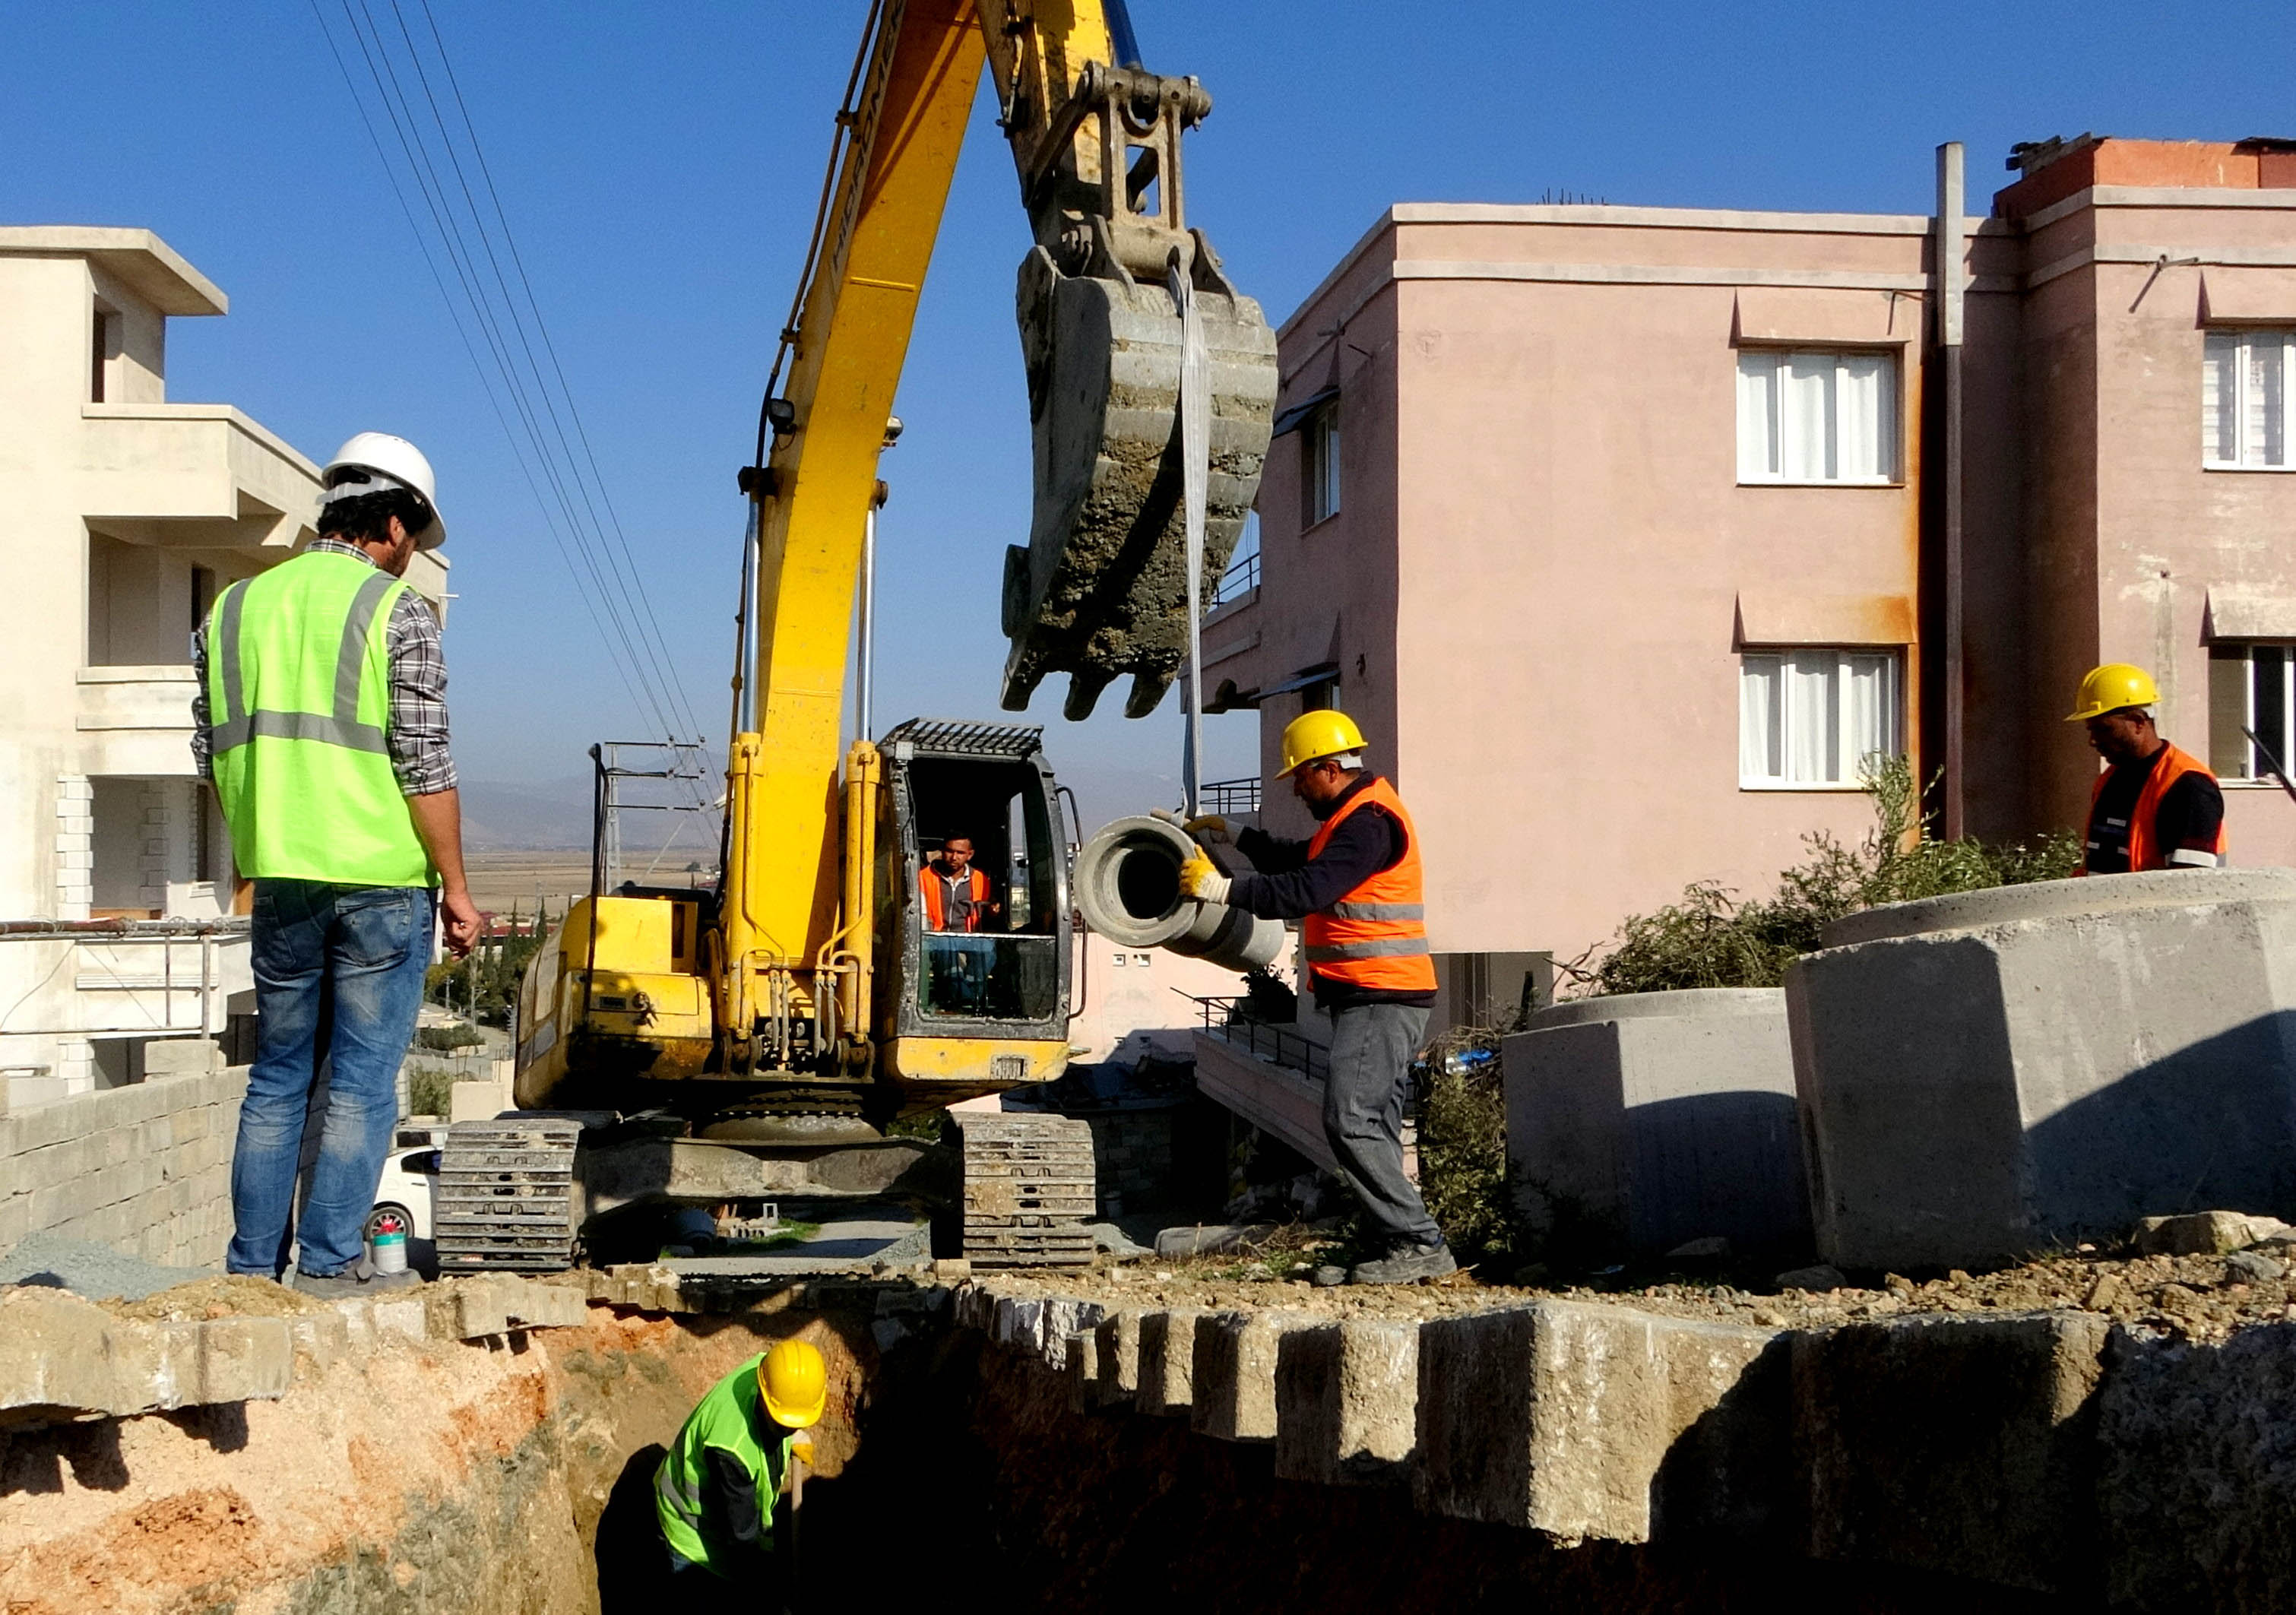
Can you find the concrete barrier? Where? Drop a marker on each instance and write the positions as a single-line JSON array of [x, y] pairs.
[[1167, 1347], [1588, 1421], [1117, 1354], [1638, 1122], [1996, 1073], [2197, 1473], [1347, 1397], [1233, 1373]]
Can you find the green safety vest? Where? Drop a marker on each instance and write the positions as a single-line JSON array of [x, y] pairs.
[[728, 1418], [299, 696]]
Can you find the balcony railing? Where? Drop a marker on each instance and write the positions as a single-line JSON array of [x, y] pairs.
[[1284, 1046], [1232, 796], [1242, 577]]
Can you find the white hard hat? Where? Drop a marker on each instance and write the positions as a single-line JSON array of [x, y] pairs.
[[395, 462]]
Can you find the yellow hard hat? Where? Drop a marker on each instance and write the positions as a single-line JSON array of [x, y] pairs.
[[795, 1383], [2111, 687], [1323, 733]]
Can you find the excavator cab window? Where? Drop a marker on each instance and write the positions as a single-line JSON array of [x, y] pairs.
[[989, 943]]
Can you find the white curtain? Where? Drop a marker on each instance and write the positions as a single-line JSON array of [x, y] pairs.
[[2267, 438], [1758, 416], [2220, 398], [1866, 428], [1869, 710], [1761, 732], [1806, 418], [1813, 715]]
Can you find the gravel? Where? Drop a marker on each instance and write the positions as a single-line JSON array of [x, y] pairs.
[[97, 1272]]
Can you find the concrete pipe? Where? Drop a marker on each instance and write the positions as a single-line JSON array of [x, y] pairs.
[[1128, 884]]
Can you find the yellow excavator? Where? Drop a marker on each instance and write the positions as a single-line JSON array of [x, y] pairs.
[[737, 1047]]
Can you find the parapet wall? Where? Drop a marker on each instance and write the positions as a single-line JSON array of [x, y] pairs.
[[144, 1168]]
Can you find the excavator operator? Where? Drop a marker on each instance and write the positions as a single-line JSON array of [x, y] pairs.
[[1357, 887]]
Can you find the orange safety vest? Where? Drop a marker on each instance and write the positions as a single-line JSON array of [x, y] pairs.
[[930, 881], [2143, 853], [1376, 935]]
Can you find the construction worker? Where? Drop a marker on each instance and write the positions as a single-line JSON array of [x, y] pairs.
[[1356, 888], [955, 894], [320, 716], [2154, 806], [717, 1490]]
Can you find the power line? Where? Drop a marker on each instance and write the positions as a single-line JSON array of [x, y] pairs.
[[510, 326]]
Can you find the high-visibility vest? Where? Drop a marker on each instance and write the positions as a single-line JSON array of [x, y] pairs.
[[2144, 850], [1376, 935], [299, 699], [933, 884], [729, 1419]]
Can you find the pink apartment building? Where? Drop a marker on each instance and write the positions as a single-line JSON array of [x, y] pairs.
[[1626, 532]]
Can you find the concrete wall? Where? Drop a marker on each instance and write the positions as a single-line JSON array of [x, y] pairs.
[[145, 1169]]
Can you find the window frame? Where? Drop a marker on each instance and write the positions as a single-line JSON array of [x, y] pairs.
[[2243, 339], [1323, 463], [2227, 752], [1892, 430], [1895, 744]]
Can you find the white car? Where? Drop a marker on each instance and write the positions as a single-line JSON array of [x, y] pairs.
[[410, 1178]]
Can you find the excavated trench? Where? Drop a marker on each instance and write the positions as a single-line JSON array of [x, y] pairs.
[[512, 1473]]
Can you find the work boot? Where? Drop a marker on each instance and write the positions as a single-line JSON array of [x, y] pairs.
[[358, 1279], [1405, 1263]]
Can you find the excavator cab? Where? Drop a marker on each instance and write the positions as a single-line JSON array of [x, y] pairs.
[[977, 999]]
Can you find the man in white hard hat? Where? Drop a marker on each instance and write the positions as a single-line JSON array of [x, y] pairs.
[[320, 716]]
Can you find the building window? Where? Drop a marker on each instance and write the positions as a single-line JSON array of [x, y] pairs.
[[1816, 417], [2252, 688], [1812, 717], [106, 328], [2244, 377], [1319, 450]]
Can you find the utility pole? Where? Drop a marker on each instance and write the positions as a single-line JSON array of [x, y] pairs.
[[1952, 284]]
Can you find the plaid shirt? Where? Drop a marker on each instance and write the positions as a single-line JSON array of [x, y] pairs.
[[416, 731]]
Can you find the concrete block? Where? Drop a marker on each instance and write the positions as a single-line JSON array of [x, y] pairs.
[[1639, 1123], [239, 1359], [63, 1357], [1233, 1373], [1347, 1397], [1081, 1352], [1117, 1353], [172, 1057], [1953, 1443], [2000, 1071], [1597, 1421], [1040, 1326], [1168, 1349], [404, 1319], [2197, 1472], [472, 1308]]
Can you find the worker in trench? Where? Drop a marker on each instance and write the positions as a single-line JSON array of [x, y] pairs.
[[1356, 887], [2154, 806], [319, 714], [724, 1493]]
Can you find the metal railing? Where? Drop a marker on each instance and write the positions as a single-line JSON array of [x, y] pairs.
[[1284, 1046], [1232, 796], [1242, 577]]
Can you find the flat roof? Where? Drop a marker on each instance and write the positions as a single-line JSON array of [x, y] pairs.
[[149, 267]]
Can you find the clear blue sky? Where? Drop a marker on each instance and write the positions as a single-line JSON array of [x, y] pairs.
[[659, 163]]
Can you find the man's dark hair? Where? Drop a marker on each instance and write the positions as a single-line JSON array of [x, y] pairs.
[[366, 519]]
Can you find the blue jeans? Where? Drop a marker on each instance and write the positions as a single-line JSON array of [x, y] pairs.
[[338, 980]]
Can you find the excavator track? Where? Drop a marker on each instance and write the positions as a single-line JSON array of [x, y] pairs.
[[1028, 1194], [506, 1195]]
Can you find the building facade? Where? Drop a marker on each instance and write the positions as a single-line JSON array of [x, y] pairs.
[[1624, 532], [121, 515]]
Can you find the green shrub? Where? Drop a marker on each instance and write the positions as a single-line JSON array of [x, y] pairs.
[[430, 1091], [1712, 938], [446, 1039]]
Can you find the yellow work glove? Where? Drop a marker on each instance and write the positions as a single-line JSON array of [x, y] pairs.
[[1200, 878], [1210, 827]]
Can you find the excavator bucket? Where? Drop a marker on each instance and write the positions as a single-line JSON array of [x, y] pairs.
[[1101, 587]]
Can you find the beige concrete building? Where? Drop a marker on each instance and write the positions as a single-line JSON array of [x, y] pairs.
[[121, 515], [1623, 531]]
